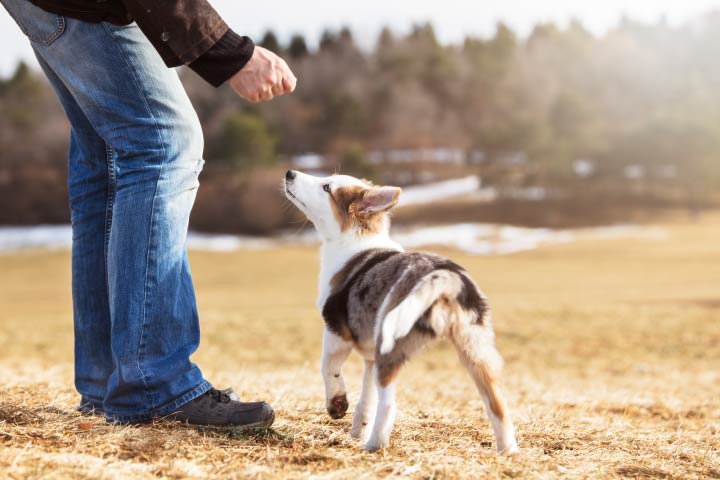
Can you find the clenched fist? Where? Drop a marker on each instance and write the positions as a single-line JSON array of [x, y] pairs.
[[265, 76]]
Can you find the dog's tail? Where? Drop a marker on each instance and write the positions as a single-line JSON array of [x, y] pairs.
[[443, 295]]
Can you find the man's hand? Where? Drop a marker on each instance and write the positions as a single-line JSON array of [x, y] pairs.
[[265, 76]]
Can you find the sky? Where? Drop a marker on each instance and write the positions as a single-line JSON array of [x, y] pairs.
[[453, 19]]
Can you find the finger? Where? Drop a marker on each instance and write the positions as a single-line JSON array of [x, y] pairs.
[[283, 68], [266, 94], [278, 89], [287, 78], [289, 83], [273, 78]]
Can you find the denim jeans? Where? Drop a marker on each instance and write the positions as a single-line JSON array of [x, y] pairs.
[[135, 155]]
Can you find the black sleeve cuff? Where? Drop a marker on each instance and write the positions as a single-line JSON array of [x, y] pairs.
[[224, 59]]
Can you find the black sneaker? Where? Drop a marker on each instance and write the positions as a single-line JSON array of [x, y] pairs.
[[217, 409]]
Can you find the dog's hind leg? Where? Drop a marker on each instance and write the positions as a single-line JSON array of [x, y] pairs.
[[365, 409], [335, 352], [387, 366], [386, 407], [474, 345]]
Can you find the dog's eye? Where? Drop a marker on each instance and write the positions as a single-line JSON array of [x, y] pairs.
[[326, 187]]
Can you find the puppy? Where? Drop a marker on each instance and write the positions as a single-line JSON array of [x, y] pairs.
[[388, 304]]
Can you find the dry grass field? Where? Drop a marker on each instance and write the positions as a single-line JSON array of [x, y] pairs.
[[612, 352]]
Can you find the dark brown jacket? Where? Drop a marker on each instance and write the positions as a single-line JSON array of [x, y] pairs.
[[180, 30]]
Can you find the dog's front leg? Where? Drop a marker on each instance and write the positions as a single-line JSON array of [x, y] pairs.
[[365, 409], [335, 352]]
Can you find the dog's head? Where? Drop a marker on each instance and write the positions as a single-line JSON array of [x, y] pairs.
[[340, 205]]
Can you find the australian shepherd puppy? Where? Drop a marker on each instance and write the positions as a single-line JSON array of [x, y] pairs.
[[388, 304]]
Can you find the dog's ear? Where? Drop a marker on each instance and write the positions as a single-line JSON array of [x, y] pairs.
[[379, 199]]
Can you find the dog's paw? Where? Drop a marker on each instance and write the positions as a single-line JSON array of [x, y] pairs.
[[338, 406], [358, 433], [360, 428], [509, 450], [374, 445]]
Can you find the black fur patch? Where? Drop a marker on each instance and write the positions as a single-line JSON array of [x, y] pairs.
[[469, 297], [422, 325], [363, 293], [335, 310]]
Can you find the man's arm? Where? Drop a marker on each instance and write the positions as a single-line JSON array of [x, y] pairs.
[[191, 32], [180, 30]]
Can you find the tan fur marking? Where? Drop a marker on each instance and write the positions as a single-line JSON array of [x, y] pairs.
[[342, 201], [483, 373], [497, 405], [347, 334], [345, 201], [387, 375]]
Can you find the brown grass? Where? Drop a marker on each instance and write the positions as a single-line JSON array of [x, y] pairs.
[[612, 351]]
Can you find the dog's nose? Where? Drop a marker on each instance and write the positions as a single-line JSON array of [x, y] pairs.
[[289, 175]]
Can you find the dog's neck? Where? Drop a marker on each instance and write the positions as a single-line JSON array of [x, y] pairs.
[[335, 253]]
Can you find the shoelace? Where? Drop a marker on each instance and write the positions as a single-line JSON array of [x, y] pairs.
[[218, 396]]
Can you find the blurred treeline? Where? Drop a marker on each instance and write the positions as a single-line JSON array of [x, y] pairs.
[[634, 113]]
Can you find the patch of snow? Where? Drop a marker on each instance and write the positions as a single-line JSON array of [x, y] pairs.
[[410, 155], [473, 238], [59, 237], [226, 242], [634, 172], [48, 237], [476, 157], [622, 231], [492, 239], [532, 194], [514, 159], [584, 168], [667, 171], [481, 238], [308, 161], [485, 195], [433, 192]]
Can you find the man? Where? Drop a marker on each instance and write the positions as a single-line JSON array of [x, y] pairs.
[[135, 155]]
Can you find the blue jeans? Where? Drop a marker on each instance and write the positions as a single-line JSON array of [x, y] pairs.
[[135, 155]]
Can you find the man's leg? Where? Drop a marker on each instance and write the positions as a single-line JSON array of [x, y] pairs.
[[140, 110], [91, 187], [112, 82]]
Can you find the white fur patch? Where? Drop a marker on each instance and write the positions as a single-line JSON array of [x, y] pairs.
[[400, 320]]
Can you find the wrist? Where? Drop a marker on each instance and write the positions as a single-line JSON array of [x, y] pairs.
[[224, 59]]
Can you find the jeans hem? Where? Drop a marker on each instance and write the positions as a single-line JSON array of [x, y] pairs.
[[89, 406], [160, 411]]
